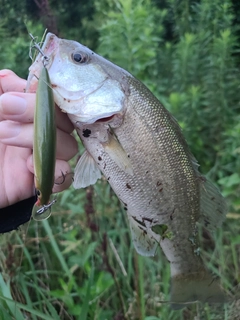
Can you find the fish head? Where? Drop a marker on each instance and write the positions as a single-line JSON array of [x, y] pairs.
[[86, 86]]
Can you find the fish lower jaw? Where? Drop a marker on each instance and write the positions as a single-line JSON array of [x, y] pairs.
[[106, 119], [83, 120]]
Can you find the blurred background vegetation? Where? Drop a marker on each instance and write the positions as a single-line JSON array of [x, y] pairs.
[[80, 264]]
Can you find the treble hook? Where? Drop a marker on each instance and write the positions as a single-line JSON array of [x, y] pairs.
[[45, 207], [45, 58]]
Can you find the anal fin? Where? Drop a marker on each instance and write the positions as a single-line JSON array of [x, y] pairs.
[[142, 237]]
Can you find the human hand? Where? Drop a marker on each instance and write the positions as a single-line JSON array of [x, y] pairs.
[[16, 142]]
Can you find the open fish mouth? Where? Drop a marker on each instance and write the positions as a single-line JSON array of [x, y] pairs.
[[48, 51], [111, 119], [106, 119], [50, 45], [44, 58]]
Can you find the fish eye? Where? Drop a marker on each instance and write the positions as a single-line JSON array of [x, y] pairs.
[[38, 193], [79, 57]]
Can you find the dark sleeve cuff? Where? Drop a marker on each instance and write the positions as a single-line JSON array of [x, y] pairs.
[[13, 216]]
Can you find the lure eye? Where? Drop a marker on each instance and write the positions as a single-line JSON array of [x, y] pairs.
[[79, 57], [38, 193]]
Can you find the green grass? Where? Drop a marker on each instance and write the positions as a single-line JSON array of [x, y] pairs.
[[81, 264]]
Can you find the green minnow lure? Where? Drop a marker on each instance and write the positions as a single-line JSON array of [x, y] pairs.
[[44, 146]]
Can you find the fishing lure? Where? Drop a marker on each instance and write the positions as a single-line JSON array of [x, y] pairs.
[[44, 146]]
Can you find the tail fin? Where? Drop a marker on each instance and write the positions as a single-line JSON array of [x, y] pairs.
[[199, 286]]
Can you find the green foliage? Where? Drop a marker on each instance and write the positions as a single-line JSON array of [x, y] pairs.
[[196, 75], [17, 18], [130, 36], [187, 53], [201, 81]]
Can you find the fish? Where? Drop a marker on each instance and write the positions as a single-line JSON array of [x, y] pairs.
[[44, 146], [131, 139]]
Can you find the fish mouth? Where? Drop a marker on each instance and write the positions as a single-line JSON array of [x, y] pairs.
[[106, 119], [49, 49], [50, 44], [81, 120]]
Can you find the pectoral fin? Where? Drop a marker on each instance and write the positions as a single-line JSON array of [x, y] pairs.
[[143, 241], [86, 172], [115, 151]]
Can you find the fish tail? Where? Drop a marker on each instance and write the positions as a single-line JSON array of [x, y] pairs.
[[193, 287]]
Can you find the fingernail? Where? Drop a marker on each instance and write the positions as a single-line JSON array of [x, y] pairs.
[[11, 104], [9, 129]]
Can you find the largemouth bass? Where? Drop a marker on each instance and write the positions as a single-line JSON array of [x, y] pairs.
[[138, 146]]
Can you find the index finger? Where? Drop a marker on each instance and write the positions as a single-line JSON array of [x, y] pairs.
[[19, 107], [9, 81]]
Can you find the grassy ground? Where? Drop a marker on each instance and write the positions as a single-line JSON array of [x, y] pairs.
[[80, 264]]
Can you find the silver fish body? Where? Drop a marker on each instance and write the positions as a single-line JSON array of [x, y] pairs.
[[165, 187], [140, 149]]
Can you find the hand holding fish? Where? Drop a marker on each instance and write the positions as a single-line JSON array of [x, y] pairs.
[[16, 140]]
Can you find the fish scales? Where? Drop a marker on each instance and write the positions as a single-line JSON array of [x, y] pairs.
[[165, 184], [140, 149]]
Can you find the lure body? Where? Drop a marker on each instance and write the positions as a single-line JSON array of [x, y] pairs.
[[44, 145]]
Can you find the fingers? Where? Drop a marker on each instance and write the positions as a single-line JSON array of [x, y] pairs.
[[18, 106], [16, 130], [63, 174], [16, 181], [9, 81], [63, 122], [21, 135]]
